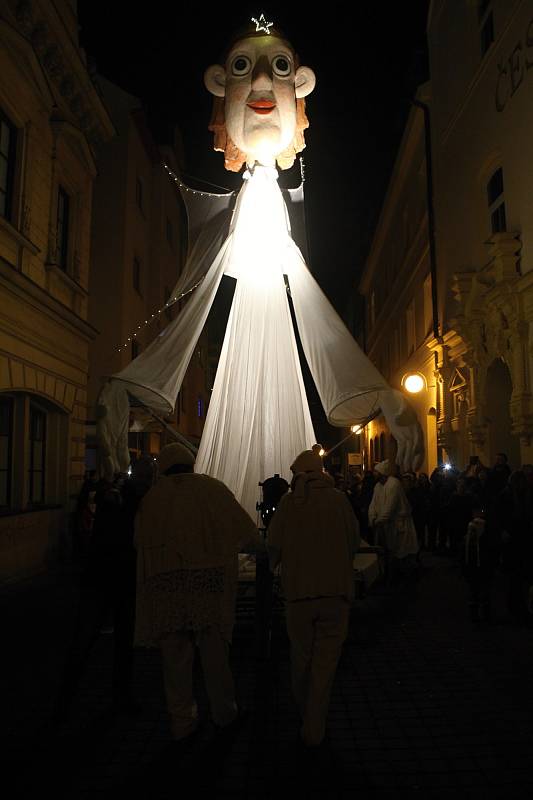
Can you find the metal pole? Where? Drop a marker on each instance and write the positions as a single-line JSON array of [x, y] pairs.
[[173, 432], [437, 334], [431, 217]]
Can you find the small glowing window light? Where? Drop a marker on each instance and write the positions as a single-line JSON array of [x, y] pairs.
[[414, 382], [321, 452], [356, 428]]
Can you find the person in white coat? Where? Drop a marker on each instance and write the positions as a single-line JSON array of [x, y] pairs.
[[390, 515]]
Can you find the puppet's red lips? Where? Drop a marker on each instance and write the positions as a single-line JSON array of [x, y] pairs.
[[262, 106]]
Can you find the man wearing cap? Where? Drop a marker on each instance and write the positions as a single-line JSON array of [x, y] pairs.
[[189, 531], [314, 534], [390, 515]]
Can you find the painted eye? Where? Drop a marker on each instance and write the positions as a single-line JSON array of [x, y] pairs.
[[241, 65], [281, 66]]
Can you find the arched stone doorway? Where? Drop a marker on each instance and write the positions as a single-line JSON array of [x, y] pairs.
[[498, 391]]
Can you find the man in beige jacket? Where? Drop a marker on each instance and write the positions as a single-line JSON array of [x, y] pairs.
[[314, 534], [189, 530]]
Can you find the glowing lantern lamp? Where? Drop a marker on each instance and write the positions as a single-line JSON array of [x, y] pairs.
[[414, 382]]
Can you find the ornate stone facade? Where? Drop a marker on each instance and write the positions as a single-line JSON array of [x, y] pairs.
[[482, 157], [491, 325], [482, 121]]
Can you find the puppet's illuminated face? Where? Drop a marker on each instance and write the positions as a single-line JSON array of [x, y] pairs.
[[260, 99], [260, 85]]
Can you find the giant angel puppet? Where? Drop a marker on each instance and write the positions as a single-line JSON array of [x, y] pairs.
[[258, 417]]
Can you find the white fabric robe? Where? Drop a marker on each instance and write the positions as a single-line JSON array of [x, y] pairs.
[[390, 511], [258, 418]]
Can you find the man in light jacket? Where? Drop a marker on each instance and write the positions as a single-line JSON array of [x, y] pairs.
[[390, 515], [189, 530], [314, 534]]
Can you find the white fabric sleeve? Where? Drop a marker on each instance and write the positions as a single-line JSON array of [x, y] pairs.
[[156, 375], [347, 381], [351, 388]]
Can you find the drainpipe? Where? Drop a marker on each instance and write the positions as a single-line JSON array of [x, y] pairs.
[[431, 218], [432, 247]]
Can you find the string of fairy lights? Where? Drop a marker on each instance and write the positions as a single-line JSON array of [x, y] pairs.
[[172, 300]]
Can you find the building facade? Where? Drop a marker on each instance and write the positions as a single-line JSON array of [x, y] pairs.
[[397, 286], [139, 245], [481, 64], [51, 119], [476, 360]]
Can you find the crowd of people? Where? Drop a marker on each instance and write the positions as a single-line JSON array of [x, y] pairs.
[[161, 561], [482, 516]]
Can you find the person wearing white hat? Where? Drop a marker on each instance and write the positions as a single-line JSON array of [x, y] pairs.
[[389, 514], [189, 530], [314, 534]]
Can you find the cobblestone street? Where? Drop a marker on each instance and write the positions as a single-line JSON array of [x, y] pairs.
[[425, 704]]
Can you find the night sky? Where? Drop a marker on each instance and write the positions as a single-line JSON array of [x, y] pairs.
[[368, 62]]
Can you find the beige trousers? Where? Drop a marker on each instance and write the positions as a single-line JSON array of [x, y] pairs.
[[317, 629], [177, 654]]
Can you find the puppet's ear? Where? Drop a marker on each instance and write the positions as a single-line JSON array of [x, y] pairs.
[[215, 80], [304, 82]]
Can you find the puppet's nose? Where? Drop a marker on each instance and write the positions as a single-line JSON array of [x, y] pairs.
[[262, 74]]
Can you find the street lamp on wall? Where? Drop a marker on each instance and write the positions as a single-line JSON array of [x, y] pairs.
[[414, 382]]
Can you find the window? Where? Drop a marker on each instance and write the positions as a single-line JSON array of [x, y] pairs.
[[410, 329], [200, 407], [382, 447], [139, 194], [486, 25], [372, 310], [34, 437], [137, 275], [170, 233], [496, 202], [402, 344], [8, 140], [37, 454], [394, 351], [6, 449], [63, 212]]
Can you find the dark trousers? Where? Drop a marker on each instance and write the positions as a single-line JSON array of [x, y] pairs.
[[433, 531], [105, 594], [479, 581]]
